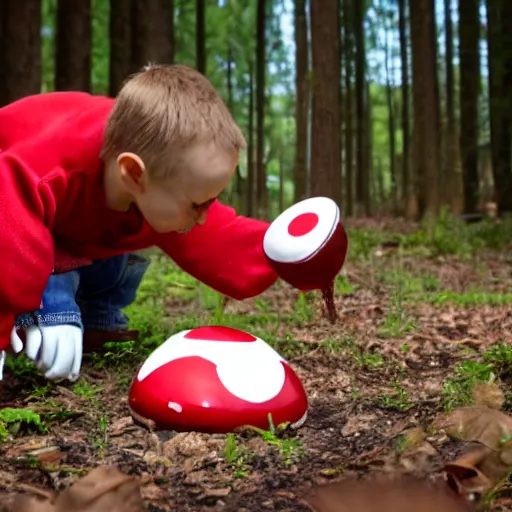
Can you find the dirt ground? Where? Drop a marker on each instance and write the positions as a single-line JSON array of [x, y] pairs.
[[414, 333]]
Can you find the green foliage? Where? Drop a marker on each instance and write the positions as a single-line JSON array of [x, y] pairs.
[[450, 235], [11, 420], [458, 389]]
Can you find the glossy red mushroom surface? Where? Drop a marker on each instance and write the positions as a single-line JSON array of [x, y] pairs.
[[307, 244], [215, 379]]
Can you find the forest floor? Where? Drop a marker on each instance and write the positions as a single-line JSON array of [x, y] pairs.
[[423, 318]]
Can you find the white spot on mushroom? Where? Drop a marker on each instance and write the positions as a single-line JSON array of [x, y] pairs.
[[175, 407], [254, 380], [217, 352]]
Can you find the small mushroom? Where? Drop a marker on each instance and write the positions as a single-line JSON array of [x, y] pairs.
[[307, 245], [216, 379]]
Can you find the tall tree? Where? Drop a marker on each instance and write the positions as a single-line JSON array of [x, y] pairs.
[[200, 36], [362, 143], [469, 34], [453, 190], [261, 171], [20, 49], [348, 53], [499, 20], [426, 104], [388, 16], [302, 100], [326, 122], [407, 191], [73, 45], [251, 182], [152, 33], [120, 43]]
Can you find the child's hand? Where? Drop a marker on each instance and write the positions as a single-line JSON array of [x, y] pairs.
[[57, 349]]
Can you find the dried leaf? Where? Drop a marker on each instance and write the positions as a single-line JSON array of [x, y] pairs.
[[104, 489], [488, 395], [386, 495], [465, 474], [483, 425], [489, 458]]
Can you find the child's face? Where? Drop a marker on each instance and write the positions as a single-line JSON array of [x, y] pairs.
[[181, 201]]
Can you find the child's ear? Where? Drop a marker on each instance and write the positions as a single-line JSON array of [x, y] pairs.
[[132, 170]]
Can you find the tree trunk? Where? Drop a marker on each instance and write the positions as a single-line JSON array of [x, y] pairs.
[[238, 186], [120, 43], [469, 34], [368, 148], [302, 100], [261, 172], [391, 123], [407, 190], [499, 18], [453, 190], [200, 37], [326, 122], [281, 180], [73, 46], [425, 104], [20, 49], [250, 147], [152, 33], [363, 174], [348, 47]]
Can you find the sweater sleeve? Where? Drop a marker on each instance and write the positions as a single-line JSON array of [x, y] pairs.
[[26, 244], [225, 253]]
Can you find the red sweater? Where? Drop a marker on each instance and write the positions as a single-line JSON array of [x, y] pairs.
[[53, 210]]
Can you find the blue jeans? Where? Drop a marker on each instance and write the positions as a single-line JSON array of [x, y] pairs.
[[90, 297]]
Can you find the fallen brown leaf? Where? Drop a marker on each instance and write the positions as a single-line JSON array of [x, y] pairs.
[[104, 489], [488, 459], [480, 424], [489, 395], [473, 472], [386, 495]]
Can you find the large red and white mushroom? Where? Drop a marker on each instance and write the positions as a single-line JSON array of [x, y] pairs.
[[215, 379], [307, 245]]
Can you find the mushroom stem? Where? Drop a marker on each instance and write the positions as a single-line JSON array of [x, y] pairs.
[[330, 306]]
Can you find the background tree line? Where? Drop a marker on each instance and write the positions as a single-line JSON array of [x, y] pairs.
[[387, 106]]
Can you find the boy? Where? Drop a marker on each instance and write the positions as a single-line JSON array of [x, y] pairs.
[[86, 178]]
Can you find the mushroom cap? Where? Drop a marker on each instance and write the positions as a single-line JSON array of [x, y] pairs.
[[215, 379], [307, 244]]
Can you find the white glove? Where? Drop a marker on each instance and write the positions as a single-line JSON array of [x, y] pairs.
[[2, 363], [57, 349]]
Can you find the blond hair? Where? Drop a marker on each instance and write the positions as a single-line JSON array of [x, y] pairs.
[[161, 111]]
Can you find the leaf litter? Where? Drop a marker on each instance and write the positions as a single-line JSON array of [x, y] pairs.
[[396, 409]]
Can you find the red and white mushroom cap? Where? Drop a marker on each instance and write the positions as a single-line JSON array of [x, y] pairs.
[[214, 379], [307, 245]]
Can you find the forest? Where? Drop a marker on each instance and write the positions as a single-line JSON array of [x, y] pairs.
[[398, 111]]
